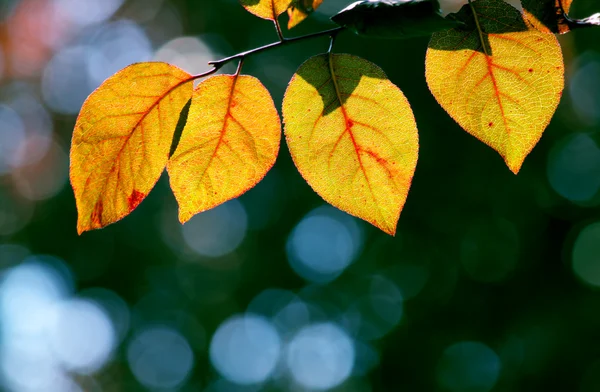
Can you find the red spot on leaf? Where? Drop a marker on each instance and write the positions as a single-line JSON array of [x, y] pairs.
[[530, 69], [491, 124], [349, 123], [97, 214], [135, 199]]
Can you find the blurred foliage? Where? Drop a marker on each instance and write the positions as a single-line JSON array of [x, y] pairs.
[[486, 268]]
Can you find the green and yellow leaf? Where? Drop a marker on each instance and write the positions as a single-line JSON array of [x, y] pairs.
[[266, 9], [122, 139], [229, 143], [300, 10], [352, 136], [499, 80]]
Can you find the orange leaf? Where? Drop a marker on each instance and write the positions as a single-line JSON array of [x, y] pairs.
[[352, 136], [500, 82], [229, 143], [266, 9], [300, 10], [122, 139]]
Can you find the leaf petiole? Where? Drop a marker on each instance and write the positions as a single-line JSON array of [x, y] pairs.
[[278, 28], [479, 30]]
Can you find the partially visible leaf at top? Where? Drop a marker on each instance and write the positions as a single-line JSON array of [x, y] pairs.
[[551, 16], [547, 15], [300, 10], [501, 83], [393, 19], [230, 141], [266, 9], [352, 136], [122, 139]]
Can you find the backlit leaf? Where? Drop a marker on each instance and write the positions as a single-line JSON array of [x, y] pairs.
[[122, 139], [501, 84], [266, 9], [230, 141], [352, 136], [300, 10]]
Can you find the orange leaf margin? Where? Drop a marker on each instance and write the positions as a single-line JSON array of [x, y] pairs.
[[353, 137], [502, 84], [230, 142], [122, 139]]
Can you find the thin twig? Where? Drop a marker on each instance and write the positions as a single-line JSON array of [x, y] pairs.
[[220, 63], [205, 74]]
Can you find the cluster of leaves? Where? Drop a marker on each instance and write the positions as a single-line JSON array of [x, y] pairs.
[[351, 132]]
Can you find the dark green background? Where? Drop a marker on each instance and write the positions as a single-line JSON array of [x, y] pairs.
[[495, 249]]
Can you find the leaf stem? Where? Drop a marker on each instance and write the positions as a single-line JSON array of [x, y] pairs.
[[217, 64], [332, 37], [278, 28], [239, 68], [479, 30]]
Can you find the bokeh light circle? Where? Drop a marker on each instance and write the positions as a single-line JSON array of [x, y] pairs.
[[65, 82], [160, 358], [373, 315], [320, 356], [468, 366], [86, 12], [245, 349], [115, 46], [586, 255], [188, 53], [115, 307], [323, 245], [584, 86], [574, 168], [82, 337], [30, 293], [218, 231], [12, 136]]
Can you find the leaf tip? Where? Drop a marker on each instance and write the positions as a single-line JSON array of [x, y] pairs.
[[514, 165], [184, 216], [391, 230], [515, 169]]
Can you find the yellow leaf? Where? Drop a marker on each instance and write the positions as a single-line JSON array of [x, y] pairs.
[[266, 9], [229, 143], [300, 10], [501, 83], [547, 15], [352, 136], [122, 139]]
